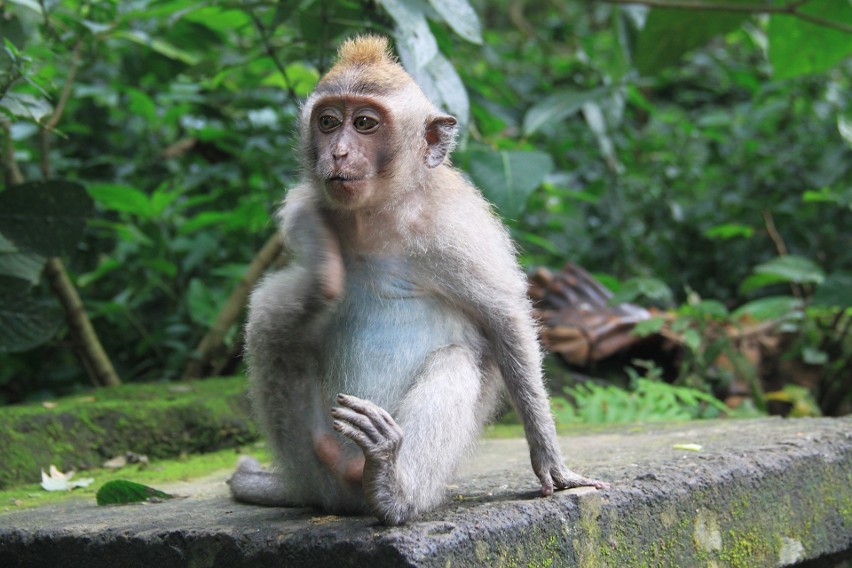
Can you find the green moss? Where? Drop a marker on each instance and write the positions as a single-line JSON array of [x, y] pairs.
[[744, 549], [158, 420], [158, 473]]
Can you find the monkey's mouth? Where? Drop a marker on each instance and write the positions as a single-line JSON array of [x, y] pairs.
[[340, 178], [343, 187], [344, 182]]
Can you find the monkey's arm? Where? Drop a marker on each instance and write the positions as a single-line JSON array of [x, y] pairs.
[[306, 232], [484, 278], [287, 312]]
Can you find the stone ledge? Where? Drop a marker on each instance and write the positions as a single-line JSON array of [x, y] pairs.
[[763, 492]]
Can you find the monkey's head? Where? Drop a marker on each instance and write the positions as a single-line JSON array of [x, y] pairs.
[[368, 131]]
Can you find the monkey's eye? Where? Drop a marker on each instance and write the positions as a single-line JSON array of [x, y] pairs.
[[327, 122], [365, 123]]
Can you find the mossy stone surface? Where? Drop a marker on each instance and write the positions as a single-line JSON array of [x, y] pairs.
[[157, 420], [766, 492]]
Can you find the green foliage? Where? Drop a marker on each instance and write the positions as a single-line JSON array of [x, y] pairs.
[[38, 220], [835, 291], [648, 400], [799, 47], [643, 290], [651, 145], [507, 177], [41, 219], [789, 268], [668, 34]]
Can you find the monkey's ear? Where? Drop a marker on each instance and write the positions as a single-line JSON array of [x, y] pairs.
[[440, 137]]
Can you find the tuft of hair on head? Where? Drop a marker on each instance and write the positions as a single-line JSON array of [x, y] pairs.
[[365, 66], [365, 50]]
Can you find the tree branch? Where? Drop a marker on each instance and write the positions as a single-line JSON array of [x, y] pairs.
[[13, 172], [58, 110], [778, 240], [788, 9], [91, 352], [94, 357], [270, 52], [212, 343]]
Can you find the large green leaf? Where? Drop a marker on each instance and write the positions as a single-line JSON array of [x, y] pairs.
[[792, 268], [414, 39], [835, 291], [158, 45], [788, 268], [461, 17], [444, 87], [798, 47], [729, 231], [669, 33], [220, 19], [46, 218], [120, 197], [757, 281], [641, 288], [122, 491], [771, 307], [12, 30], [26, 106], [25, 321], [23, 265], [507, 178], [558, 106]]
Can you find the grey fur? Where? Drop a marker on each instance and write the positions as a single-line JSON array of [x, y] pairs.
[[414, 307]]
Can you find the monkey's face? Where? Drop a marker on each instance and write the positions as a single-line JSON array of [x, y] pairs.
[[352, 149]]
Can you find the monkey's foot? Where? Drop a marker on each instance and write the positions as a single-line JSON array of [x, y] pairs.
[[560, 477], [253, 484], [369, 426], [248, 464]]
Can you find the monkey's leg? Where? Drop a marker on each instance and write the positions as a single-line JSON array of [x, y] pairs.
[[409, 461], [253, 484]]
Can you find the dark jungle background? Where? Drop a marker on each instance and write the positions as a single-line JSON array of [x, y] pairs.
[[695, 161]]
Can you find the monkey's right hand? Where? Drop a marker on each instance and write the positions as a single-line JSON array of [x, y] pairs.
[[318, 248]]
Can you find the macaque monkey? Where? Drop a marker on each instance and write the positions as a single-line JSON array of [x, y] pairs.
[[378, 354]]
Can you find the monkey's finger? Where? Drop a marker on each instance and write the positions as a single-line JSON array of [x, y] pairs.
[[355, 435], [391, 428], [359, 421], [353, 402], [381, 419], [546, 484]]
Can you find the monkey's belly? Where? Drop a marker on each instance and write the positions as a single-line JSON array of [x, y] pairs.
[[381, 334]]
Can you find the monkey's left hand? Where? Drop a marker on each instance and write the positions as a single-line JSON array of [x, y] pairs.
[[554, 475], [370, 426]]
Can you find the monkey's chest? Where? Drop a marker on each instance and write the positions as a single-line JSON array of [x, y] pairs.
[[383, 330]]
